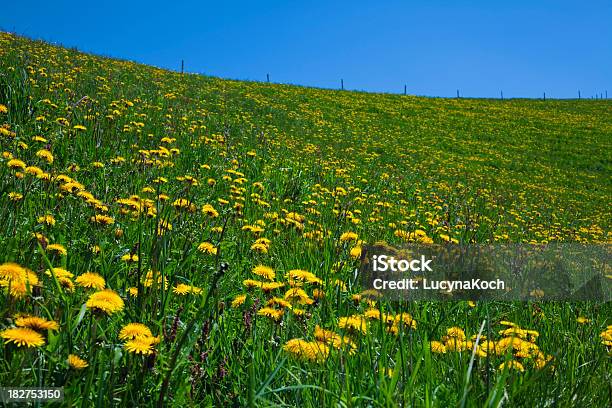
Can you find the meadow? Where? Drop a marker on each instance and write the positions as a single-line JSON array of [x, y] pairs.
[[175, 239]]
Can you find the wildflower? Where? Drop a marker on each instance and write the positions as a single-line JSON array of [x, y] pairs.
[[57, 248], [334, 339], [437, 347], [355, 252], [11, 271], [79, 127], [302, 276], [46, 219], [150, 279], [252, 283], [59, 273], [102, 219], [583, 320], [272, 313], [130, 258], [354, 323], [16, 164], [210, 211], [34, 171], [270, 286], [140, 345], [207, 248], [45, 155], [76, 362], [348, 236], [184, 204], [66, 283], [134, 330], [13, 196], [23, 336], [238, 301], [261, 248], [299, 295], [106, 301], [183, 289], [36, 323], [19, 279], [3, 108], [91, 280], [307, 350], [455, 333], [265, 272]]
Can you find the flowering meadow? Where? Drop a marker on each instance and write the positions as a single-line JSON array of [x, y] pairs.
[[174, 239]]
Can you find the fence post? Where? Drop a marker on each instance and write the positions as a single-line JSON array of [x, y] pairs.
[[457, 93], [502, 95], [268, 78], [405, 91], [544, 95], [579, 94], [182, 66], [342, 84]]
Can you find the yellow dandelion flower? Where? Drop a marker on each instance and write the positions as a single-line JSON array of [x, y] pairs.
[[334, 339], [107, 301], [12, 271], [102, 219], [348, 236], [130, 258], [265, 272], [16, 164], [270, 312], [76, 362], [437, 347], [307, 350], [355, 323], [46, 219], [134, 330], [183, 289], [302, 276], [22, 336], [57, 248], [299, 295], [270, 286], [238, 301], [60, 273], [45, 155], [207, 248], [91, 280], [140, 345], [261, 248], [210, 211], [13, 196], [36, 323]]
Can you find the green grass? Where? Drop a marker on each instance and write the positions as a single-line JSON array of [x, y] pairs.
[[474, 170]]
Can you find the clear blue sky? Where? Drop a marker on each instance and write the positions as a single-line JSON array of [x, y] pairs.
[[523, 47]]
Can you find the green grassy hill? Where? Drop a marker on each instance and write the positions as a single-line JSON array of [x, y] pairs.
[[175, 190]]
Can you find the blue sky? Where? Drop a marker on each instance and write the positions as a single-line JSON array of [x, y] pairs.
[[523, 47]]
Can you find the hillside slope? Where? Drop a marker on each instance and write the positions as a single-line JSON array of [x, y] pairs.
[[228, 217]]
